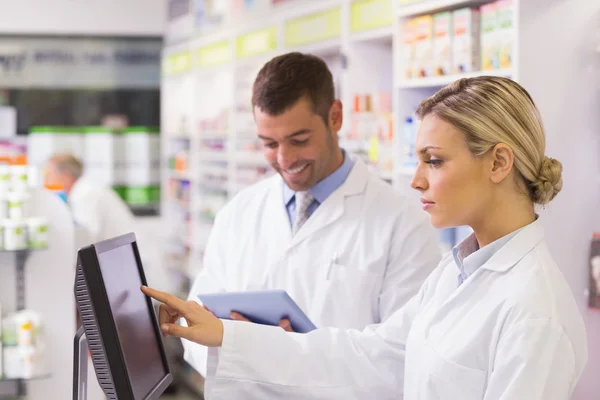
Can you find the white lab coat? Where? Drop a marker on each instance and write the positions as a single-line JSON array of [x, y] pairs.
[[361, 255], [103, 215], [511, 331], [99, 210]]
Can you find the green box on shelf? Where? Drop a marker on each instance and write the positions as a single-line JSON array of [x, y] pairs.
[[121, 191], [141, 195], [155, 194]]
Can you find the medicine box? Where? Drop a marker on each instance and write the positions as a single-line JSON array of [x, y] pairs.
[[442, 43], [466, 40], [490, 45], [424, 46], [408, 49], [506, 32]]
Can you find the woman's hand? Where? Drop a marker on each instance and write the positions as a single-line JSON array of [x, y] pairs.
[[203, 327]]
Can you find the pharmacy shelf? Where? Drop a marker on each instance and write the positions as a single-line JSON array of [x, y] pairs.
[[178, 137], [210, 135], [322, 49], [441, 81], [383, 35], [216, 155], [15, 387], [386, 175], [434, 6], [180, 175], [366, 65], [251, 159], [407, 171]]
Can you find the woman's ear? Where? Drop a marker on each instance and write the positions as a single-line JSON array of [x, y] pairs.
[[502, 160]]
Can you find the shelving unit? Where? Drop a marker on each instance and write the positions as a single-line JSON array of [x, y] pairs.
[[207, 88], [437, 82], [16, 387], [28, 279], [423, 7], [535, 63]]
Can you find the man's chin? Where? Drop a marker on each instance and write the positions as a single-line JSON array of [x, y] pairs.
[[295, 185]]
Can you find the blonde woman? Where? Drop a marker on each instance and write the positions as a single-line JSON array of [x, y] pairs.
[[495, 320]]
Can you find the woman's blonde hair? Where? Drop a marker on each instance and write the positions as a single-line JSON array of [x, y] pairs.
[[491, 110]]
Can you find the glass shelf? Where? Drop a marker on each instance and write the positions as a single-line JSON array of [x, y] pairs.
[[23, 251], [34, 378]]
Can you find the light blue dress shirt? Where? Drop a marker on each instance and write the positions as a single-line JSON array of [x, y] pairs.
[[320, 191], [469, 257]]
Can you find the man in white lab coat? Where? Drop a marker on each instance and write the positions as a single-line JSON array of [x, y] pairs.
[[346, 246], [100, 211]]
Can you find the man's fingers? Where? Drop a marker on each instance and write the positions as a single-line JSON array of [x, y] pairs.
[[238, 317], [176, 330], [167, 315], [173, 302]]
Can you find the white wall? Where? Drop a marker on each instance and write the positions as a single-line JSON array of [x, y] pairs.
[[83, 17], [562, 73]]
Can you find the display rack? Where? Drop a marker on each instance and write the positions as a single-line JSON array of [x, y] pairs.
[[208, 124], [16, 387], [35, 276]]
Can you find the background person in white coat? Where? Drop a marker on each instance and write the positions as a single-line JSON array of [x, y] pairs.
[[101, 212], [346, 246], [496, 320], [94, 206]]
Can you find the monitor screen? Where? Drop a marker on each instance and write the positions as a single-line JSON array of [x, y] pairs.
[[133, 319]]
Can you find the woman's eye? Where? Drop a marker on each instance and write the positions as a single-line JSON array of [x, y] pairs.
[[434, 162]]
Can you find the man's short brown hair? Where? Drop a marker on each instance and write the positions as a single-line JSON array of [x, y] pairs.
[[284, 80]]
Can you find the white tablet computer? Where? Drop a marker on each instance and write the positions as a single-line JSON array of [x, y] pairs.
[[267, 307]]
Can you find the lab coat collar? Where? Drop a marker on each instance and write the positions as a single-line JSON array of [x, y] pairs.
[[333, 207], [519, 246]]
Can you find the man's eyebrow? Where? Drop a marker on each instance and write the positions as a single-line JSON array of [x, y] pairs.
[[291, 135]]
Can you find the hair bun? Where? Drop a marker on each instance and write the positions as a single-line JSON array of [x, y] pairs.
[[549, 181]]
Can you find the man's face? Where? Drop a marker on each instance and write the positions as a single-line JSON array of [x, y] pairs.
[[299, 145]]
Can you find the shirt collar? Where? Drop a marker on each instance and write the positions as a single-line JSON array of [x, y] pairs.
[[327, 186], [469, 257]]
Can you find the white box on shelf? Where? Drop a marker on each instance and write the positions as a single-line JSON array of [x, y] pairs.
[[139, 147], [408, 49], [424, 46], [506, 33], [8, 122], [490, 38], [466, 40], [442, 43], [100, 155]]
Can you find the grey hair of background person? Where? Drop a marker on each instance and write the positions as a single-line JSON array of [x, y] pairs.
[[67, 163]]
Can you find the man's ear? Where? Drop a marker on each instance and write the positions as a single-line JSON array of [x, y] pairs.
[[336, 115], [501, 164]]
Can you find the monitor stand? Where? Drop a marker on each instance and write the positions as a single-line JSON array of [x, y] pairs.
[[80, 366]]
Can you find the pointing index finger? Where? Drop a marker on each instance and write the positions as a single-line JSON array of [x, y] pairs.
[[166, 298]]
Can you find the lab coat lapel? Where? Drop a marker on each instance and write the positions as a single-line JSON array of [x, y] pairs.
[[333, 207], [277, 214], [504, 259]]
